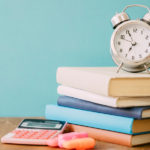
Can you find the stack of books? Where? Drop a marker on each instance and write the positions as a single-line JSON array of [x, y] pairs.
[[111, 107]]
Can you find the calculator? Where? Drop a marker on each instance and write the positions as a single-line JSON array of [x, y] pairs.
[[35, 132]]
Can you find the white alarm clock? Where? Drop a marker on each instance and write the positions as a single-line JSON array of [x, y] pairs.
[[130, 41]]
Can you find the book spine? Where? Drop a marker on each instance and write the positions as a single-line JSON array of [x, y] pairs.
[[91, 119], [103, 135], [87, 96], [85, 105], [84, 80]]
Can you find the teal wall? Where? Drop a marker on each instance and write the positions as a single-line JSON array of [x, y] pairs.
[[37, 36]]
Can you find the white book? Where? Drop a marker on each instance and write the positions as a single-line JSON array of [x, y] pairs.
[[103, 100], [105, 81]]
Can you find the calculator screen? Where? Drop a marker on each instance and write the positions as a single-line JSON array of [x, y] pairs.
[[41, 124]]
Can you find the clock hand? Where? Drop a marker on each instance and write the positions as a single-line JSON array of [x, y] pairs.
[[127, 40], [132, 42], [130, 49], [128, 32]]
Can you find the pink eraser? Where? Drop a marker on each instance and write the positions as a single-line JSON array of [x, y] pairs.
[[80, 143], [69, 136], [53, 142]]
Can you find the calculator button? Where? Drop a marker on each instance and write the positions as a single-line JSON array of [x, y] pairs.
[[30, 134], [20, 134], [43, 132], [16, 131], [48, 135], [27, 135], [39, 134], [17, 135]]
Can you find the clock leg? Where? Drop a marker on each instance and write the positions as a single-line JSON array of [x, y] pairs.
[[146, 68], [118, 69]]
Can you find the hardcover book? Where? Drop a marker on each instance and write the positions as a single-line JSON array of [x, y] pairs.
[[104, 100], [133, 112], [105, 81], [97, 120], [112, 137]]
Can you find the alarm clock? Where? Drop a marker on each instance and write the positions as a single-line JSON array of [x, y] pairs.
[[130, 41]]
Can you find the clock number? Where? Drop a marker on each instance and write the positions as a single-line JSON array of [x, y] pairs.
[[119, 42], [147, 37], [128, 32], [146, 51], [122, 36], [134, 29], [149, 44], [140, 56], [142, 32], [126, 55], [121, 50], [133, 57]]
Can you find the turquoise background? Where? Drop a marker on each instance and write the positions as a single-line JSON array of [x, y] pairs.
[[38, 36]]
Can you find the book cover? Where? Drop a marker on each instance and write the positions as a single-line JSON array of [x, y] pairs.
[[133, 112], [104, 100], [105, 81], [97, 120]]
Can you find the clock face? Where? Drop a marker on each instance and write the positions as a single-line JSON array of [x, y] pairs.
[[132, 41]]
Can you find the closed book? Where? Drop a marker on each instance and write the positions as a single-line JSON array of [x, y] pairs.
[[104, 100], [97, 120], [105, 81], [112, 137], [133, 112]]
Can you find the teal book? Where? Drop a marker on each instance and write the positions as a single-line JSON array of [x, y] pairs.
[[97, 120]]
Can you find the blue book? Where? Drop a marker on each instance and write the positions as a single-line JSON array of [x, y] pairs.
[[97, 120], [133, 112]]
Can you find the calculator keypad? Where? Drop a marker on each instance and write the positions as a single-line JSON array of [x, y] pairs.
[[33, 134]]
